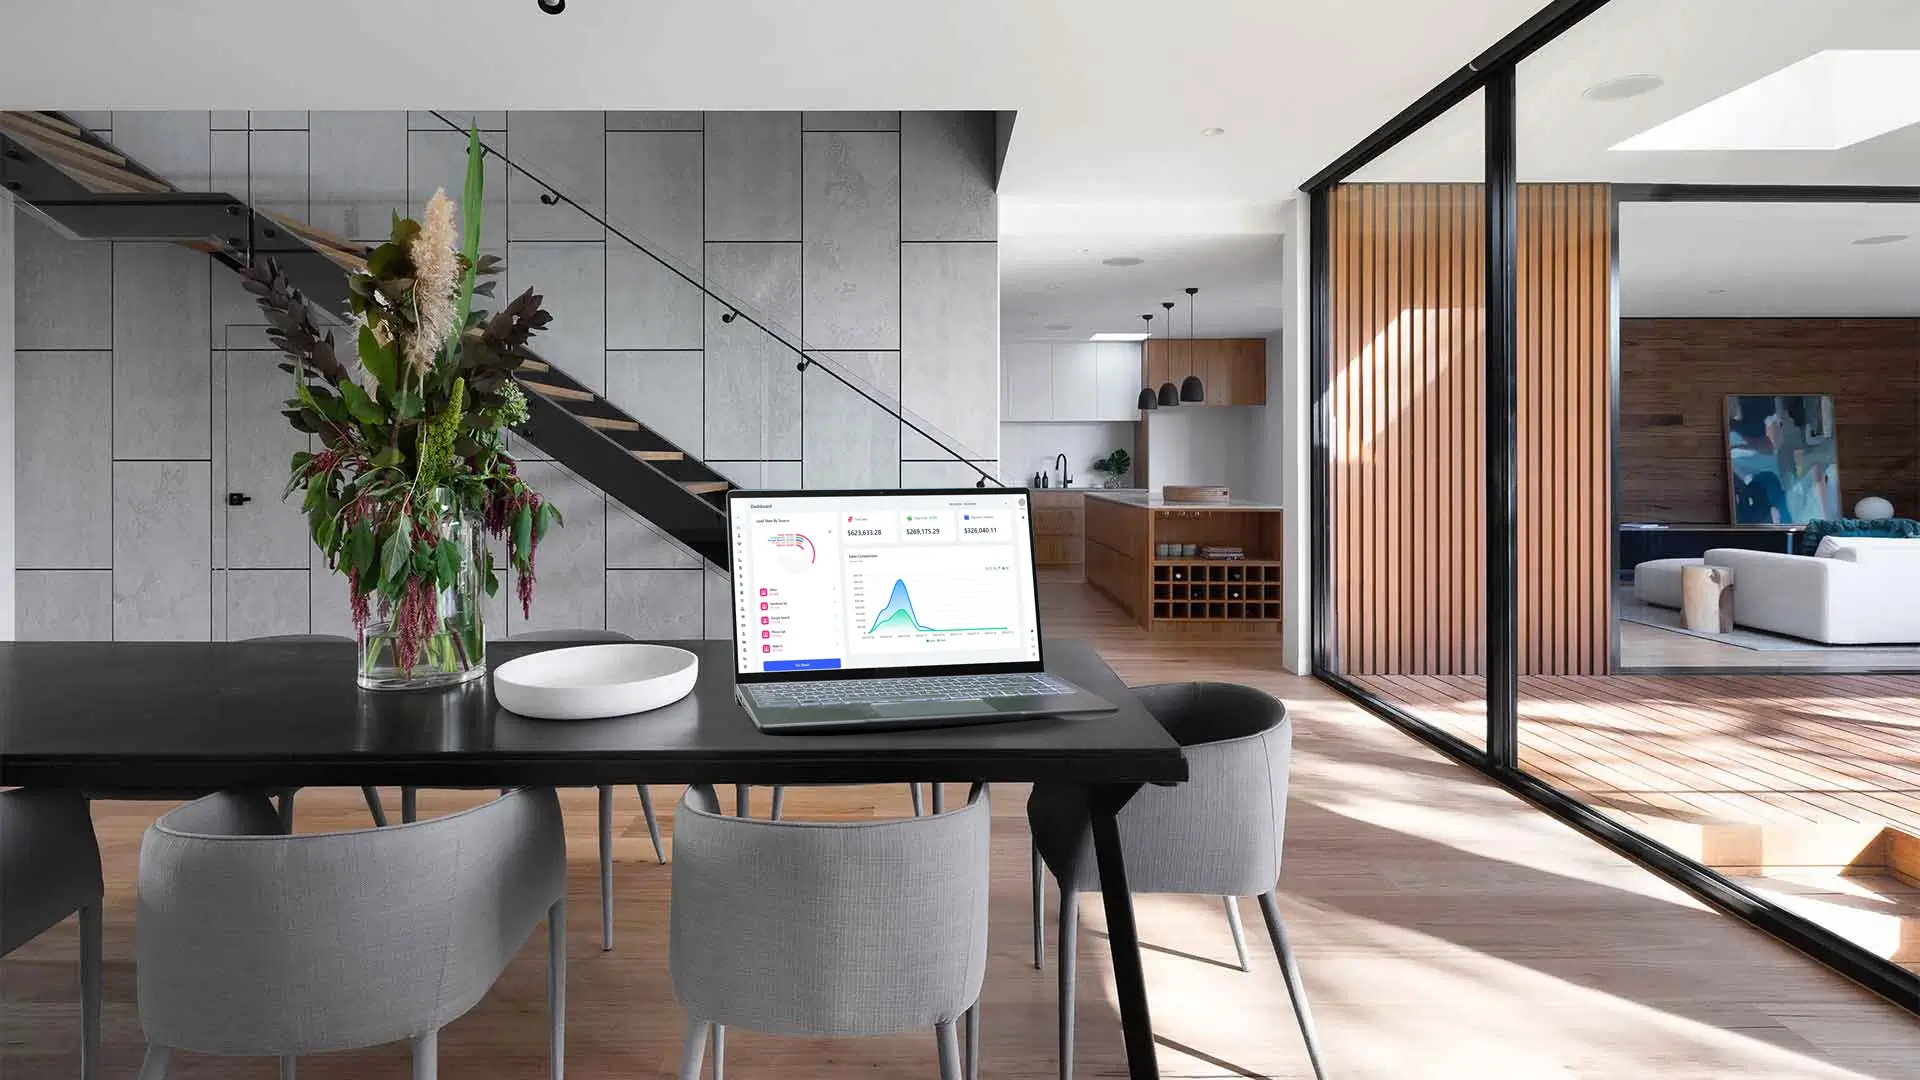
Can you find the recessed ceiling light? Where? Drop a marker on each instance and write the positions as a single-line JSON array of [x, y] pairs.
[[1053, 286], [1119, 335], [1716, 292], [1830, 100], [1622, 88], [1211, 132], [1122, 260], [1059, 326], [1883, 238]]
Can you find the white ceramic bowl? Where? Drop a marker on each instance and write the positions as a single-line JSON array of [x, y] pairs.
[[591, 681]]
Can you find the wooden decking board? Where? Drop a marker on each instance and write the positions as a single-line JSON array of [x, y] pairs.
[[1750, 749]]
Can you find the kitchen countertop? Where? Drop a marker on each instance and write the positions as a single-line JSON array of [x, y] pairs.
[[1150, 499]]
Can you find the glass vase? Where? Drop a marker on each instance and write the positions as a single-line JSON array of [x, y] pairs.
[[456, 650]]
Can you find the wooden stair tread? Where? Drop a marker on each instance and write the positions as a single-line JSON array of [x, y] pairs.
[[607, 423], [316, 236], [703, 487], [96, 175], [51, 121], [28, 126], [659, 455], [557, 393], [534, 365]]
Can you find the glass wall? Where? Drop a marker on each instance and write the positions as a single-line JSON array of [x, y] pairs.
[[1407, 547], [1763, 377]]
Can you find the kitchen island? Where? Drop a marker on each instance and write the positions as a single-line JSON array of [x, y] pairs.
[[1186, 594]]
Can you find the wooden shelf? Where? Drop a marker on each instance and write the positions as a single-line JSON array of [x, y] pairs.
[[1216, 590]]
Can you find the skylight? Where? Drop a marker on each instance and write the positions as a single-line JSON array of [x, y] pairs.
[[1832, 99]]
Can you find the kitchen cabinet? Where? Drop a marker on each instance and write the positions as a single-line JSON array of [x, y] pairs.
[[1027, 380], [1070, 381], [1075, 372], [1116, 381], [1059, 530], [1233, 370]]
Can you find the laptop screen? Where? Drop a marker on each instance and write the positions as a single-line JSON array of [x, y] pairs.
[[827, 583]]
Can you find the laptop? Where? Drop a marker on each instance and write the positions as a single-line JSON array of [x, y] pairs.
[[876, 610]]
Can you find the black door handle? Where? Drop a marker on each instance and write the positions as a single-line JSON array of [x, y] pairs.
[[238, 498]]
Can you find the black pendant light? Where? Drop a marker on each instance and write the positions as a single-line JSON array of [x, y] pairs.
[[1169, 394], [1191, 389], [1148, 402]]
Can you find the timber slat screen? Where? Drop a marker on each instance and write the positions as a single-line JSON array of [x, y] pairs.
[[1407, 488]]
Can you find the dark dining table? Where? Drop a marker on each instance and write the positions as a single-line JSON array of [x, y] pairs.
[[133, 717]]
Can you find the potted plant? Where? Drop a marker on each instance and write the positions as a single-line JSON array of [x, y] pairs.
[[406, 468], [1114, 465]]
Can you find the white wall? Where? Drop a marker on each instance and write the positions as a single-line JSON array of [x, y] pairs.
[[1212, 444], [1029, 447], [6, 417], [1289, 427], [1273, 427]]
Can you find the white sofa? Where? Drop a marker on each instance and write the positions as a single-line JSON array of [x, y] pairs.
[[1859, 591]]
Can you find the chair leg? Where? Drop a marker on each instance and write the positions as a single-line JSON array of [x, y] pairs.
[[973, 1042], [719, 1052], [606, 867], [653, 823], [90, 991], [949, 1050], [740, 799], [557, 988], [409, 805], [918, 807], [1238, 931], [1039, 908], [1069, 974], [154, 1065], [426, 1056], [1270, 907], [939, 798], [779, 801], [287, 1069], [286, 811], [375, 807], [694, 1050]]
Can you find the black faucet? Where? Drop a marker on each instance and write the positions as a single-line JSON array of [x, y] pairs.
[[1060, 462]]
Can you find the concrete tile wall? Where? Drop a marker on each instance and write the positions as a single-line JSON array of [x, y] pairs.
[[870, 232]]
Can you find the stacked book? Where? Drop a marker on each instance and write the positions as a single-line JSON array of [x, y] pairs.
[[1217, 551]]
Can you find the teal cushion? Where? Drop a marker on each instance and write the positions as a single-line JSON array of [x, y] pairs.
[[1891, 527]]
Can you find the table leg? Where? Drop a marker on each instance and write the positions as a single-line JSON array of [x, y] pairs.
[[1129, 981]]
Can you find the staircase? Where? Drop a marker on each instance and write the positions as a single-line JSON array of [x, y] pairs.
[[91, 191]]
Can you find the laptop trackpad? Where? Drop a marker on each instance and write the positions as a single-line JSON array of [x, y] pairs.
[[926, 708]]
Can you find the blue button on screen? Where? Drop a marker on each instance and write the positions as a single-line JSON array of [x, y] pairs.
[[801, 665]]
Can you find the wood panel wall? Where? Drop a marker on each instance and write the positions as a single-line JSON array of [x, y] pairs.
[[1675, 375], [1408, 492]]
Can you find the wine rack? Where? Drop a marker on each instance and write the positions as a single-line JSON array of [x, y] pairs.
[[1216, 590]]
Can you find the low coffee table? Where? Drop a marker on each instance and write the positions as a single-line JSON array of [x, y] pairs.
[[1706, 598]]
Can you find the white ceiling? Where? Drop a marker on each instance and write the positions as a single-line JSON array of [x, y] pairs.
[[1112, 94], [1768, 259], [1060, 280], [1701, 49]]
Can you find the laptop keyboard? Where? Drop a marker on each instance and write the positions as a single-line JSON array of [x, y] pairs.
[[930, 688]]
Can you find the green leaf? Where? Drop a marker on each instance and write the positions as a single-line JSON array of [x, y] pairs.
[[486, 569], [447, 560], [409, 405], [359, 548], [472, 205], [378, 359], [388, 457], [300, 459], [393, 561], [361, 406], [548, 515], [522, 534]]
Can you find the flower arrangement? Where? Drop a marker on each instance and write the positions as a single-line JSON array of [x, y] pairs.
[[410, 438]]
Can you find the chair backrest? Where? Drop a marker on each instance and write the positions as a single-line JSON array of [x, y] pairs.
[[1221, 831], [256, 943], [828, 928], [49, 862]]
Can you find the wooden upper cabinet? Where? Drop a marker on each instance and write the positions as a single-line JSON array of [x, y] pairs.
[[1233, 370]]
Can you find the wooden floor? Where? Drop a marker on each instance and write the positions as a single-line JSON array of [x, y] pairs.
[[1760, 749], [1444, 929]]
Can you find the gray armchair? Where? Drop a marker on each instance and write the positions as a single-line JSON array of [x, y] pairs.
[[828, 928], [1218, 834], [256, 943], [50, 869]]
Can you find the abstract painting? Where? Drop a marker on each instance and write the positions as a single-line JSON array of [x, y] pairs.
[[1782, 466]]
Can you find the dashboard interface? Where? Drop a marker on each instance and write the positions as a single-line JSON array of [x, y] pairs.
[[880, 580]]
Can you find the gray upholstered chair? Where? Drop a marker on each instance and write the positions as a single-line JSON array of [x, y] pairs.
[[50, 869], [1218, 834], [255, 943], [828, 928], [370, 794]]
